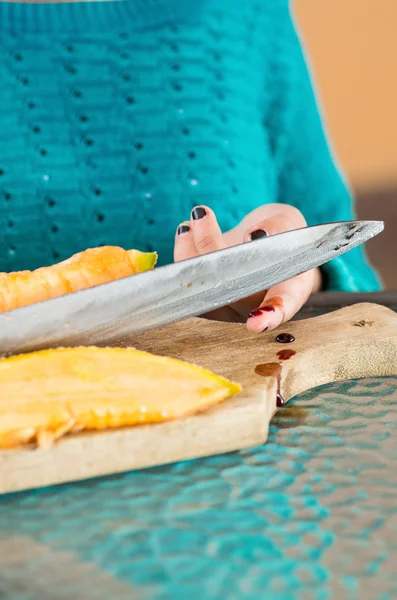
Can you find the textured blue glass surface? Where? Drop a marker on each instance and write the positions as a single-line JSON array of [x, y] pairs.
[[310, 515]]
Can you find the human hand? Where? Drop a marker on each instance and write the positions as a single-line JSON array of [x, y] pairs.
[[268, 309]]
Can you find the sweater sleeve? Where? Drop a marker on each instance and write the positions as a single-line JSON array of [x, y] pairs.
[[308, 176]]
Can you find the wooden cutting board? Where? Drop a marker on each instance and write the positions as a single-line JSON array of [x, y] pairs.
[[357, 341]]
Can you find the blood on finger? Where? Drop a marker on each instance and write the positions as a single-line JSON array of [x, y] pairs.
[[269, 305]]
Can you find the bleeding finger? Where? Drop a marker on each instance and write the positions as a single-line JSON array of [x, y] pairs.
[[206, 231], [281, 303]]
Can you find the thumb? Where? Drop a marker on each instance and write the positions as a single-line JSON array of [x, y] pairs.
[[284, 300]]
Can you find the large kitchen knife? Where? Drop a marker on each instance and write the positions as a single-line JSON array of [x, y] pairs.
[[115, 310]]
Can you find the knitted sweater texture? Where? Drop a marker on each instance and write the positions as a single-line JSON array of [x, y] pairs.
[[116, 118]]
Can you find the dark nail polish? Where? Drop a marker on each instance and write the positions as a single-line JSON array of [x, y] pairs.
[[257, 234], [198, 213], [183, 229]]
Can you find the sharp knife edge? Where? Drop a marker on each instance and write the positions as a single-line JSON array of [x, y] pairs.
[[177, 291]]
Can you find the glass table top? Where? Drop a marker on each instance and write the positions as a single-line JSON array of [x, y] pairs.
[[310, 515]]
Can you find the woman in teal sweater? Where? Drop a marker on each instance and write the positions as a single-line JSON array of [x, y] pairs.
[[121, 119]]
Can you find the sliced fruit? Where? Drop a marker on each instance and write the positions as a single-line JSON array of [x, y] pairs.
[[142, 261], [49, 393], [86, 269]]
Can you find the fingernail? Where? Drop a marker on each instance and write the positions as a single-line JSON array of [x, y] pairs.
[[257, 234], [182, 229], [198, 213]]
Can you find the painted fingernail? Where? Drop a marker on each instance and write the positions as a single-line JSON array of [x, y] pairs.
[[182, 229], [198, 213], [257, 234]]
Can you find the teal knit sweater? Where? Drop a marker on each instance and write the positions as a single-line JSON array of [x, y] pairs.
[[116, 118]]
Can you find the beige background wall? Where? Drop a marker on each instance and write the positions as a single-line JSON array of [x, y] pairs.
[[352, 46]]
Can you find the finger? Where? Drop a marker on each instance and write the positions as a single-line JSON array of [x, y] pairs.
[[278, 218], [278, 223], [208, 238], [256, 219], [184, 246], [281, 303], [206, 231]]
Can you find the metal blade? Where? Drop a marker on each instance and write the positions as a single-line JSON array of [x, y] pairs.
[[116, 310]]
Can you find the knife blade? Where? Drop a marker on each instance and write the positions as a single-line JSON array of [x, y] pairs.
[[113, 311]]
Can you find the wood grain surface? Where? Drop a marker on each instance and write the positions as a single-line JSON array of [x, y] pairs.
[[356, 341]]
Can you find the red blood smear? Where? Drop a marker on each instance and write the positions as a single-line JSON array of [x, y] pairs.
[[269, 306], [272, 370], [286, 354]]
